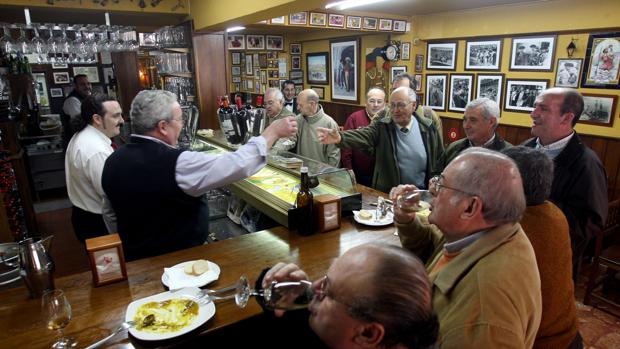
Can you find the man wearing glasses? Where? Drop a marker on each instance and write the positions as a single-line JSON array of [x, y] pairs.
[[485, 280], [274, 108], [406, 145]]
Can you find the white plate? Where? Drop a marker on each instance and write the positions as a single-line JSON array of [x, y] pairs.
[[196, 281], [205, 312], [388, 219]]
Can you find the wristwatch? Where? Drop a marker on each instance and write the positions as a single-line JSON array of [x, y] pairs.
[[390, 52]]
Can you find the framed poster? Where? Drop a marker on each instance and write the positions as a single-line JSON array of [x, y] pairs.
[[255, 42], [295, 49], [298, 18], [490, 86], [318, 68], [602, 66], [483, 55], [61, 77], [236, 42], [336, 20], [41, 89], [275, 42], [369, 23], [419, 60], [532, 53], [441, 56], [319, 91], [598, 109], [318, 19], [91, 72], [418, 82], [354, 22], [385, 24], [568, 72], [394, 71], [295, 62], [436, 91], [345, 61], [461, 86], [405, 51], [521, 94]]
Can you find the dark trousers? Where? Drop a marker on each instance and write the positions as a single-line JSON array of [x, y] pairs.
[[86, 224]]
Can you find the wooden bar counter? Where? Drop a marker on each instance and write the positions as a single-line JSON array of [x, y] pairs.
[[98, 311]]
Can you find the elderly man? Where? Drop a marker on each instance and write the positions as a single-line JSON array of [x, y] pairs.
[[547, 229], [156, 190], [579, 186], [311, 117], [373, 296], [274, 108], [405, 144], [86, 154], [486, 287], [363, 165], [479, 122], [290, 100], [71, 107]]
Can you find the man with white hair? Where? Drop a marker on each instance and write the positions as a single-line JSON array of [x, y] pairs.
[[311, 117], [274, 108]]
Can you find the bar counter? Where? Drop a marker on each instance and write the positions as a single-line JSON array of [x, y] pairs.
[[98, 311]]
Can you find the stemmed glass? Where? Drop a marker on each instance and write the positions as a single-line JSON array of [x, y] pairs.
[[130, 44], [52, 45], [414, 200], [104, 44], [6, 42], [63, 44], [57, 314], [38, 45], [22, 44], [80, 45]]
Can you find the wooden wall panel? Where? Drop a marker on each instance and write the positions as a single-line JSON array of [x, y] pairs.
[[127, 71], [210, 59]]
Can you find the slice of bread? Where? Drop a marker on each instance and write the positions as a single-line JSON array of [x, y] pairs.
[[200, 267], [365, 215], [188, 269]]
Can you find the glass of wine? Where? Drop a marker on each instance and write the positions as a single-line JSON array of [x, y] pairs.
[[57, 314], [414, 200]]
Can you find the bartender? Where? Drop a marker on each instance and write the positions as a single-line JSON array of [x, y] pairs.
[[71, 108]]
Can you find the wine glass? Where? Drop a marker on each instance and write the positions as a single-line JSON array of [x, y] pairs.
[[57, 314], [38, 45], [414, 200], [22, 43], [6, 42]]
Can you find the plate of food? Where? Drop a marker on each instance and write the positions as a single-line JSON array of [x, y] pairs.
[[168, 314], [368, 217], [190, 274]]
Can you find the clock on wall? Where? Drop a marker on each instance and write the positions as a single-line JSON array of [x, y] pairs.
[[391, 52]]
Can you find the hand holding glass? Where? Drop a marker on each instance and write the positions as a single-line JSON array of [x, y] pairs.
[[414, 201]]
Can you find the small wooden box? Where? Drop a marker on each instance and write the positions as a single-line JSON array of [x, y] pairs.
[[327, 208], [107, 261]]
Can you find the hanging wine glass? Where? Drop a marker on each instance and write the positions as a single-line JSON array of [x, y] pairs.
[[105, 44], [22, 44], [131, 44], [64, 44], [7, 41], [39, 47], [80, 45], [52, 46], [92, 45]]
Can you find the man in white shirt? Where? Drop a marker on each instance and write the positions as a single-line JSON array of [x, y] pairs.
[[72, 105], [87, 152]]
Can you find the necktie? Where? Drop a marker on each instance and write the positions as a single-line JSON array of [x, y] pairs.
[[288, 103], [404, 130]]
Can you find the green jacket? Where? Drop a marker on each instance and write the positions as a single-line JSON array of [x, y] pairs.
[[455, 148], [378, 139]]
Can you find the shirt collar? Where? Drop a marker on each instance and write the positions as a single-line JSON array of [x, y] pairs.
[[459, 245], [99, 134], [153, 139], [487, 143], [557, 145], [409, 126]]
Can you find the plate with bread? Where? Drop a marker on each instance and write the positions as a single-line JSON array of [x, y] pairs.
[[195, 273], [368, 217]]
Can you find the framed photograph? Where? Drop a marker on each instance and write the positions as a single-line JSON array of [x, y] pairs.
[[236, 86], [262, 60], [236, 71], [318, 19], [56, 92], [296, 74], [236, 58], [405, 51], [275, 42], [336, 20], [521, 94], [436, 91], [319, 91], [61, 77], [298, 88], [41, 86], [354, 22], [298, 18], [345, 64], [236, 42], [255, 42], [602, 66], [385, 24], [400, 26], [236, 79], [441, 56], [483, 55], [598, 109], [318, 68], [419, 60], [532, 53], [295, 62], [107, 261], [248, 65], [263, 76], [490, 86], [394, 71], [147, 39], [461, 86], [369, 23], [568, 72], [295, 49], [257, 73], [91, 72], [277, 20], [60, 65], [418, 82]]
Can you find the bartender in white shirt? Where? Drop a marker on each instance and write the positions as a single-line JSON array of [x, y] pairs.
[[87, 152]]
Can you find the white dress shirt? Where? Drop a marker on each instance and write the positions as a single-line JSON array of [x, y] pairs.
[[72, 107]]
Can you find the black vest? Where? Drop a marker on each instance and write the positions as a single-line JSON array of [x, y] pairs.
[[154, 216]]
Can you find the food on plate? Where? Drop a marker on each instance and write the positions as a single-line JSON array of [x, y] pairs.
[[200, 267], [364, 214], [188, 268], [170, 315]]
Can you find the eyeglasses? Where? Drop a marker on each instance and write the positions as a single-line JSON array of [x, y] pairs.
[[399, 105], [375, 101], [434, 184]]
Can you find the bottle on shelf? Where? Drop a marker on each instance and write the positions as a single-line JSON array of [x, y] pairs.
[[304, 202]]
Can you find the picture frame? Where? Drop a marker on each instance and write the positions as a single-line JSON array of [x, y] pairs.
[[405, 51], [317, 65], [520, 94], [108, 74], [354, 22], [263, 76], [319, 91], [147, 39], [91, 72], [56, 93], [602, 70], [236, 71], [107, 261], [490, 86], [418, 82], [436, 85], [298, 88], [278, 20], [60, 65], [298, 18], [385, 24], [236, 42], [275, 42], [295, 62], [262, 60], [336, 20], [461, 91], [568, 72], [236, 79], [369, 23], [441, 56], [61, 78], [296, 74], [255, 42], [483, 55], [345, 63], [419, 61], [41, 89], [395, 70], [598, 109], [237, 86], [318, 19], [400, 26], [248, 65], [532, 53], [295, 49], [235, 58]]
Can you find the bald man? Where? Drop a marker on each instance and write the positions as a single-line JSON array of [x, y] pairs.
[[311, 117]]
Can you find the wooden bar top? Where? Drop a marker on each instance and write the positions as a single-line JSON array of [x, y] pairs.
[[98, 311]]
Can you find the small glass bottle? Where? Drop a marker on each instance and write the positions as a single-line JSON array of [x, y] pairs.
[[304, 202]]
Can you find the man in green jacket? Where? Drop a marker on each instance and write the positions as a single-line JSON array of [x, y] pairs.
[[406, 145]]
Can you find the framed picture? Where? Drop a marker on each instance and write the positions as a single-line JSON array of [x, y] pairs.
[[532, 53], [318, 19], [295, 62], [298, 88], [262, 60], [295, 49], [385, 24], [296, 74], [405, 51], [441, 56], [41, 88], [56, 92], [354, 22], [147, 39], [461, 86], [369, 23], [419, 60], [436, 91], [418, 82], [236, 58], [60, 65], [483, 55], [236, 79], [91, 72], [521, 94], [263, 76], [236, 71], [336, 20], [298, 18], [236, 86], [236, 42], [255, 61], [277, 20], [255, 42], [61, 77], [394, 71], [345, 62], [318, 68], [107, 261], [319, 91], [275, 42], [602, 66], [490, 86], [400, 26], [568, 72], [598, 109], [248, 65]]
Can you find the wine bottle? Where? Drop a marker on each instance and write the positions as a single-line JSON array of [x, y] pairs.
[[304, 202], [226, 116]]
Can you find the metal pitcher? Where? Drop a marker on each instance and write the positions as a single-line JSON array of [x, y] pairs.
[[36, 266]]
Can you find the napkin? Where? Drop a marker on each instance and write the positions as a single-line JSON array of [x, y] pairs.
[[178, 279]]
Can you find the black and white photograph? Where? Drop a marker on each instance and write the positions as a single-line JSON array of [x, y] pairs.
[[295, 49], [419, 61], [441, 56], [598, 109], [61, 77], [436, 91], [345, 65], [521, 94], [461, 86], [567, 73], [295, 62], [483, 55], [56, 92], [490, 86], [394, 71], [533, 53]]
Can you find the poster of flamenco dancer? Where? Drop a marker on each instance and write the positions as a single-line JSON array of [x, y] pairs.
[[602, 61], [345, 59]]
